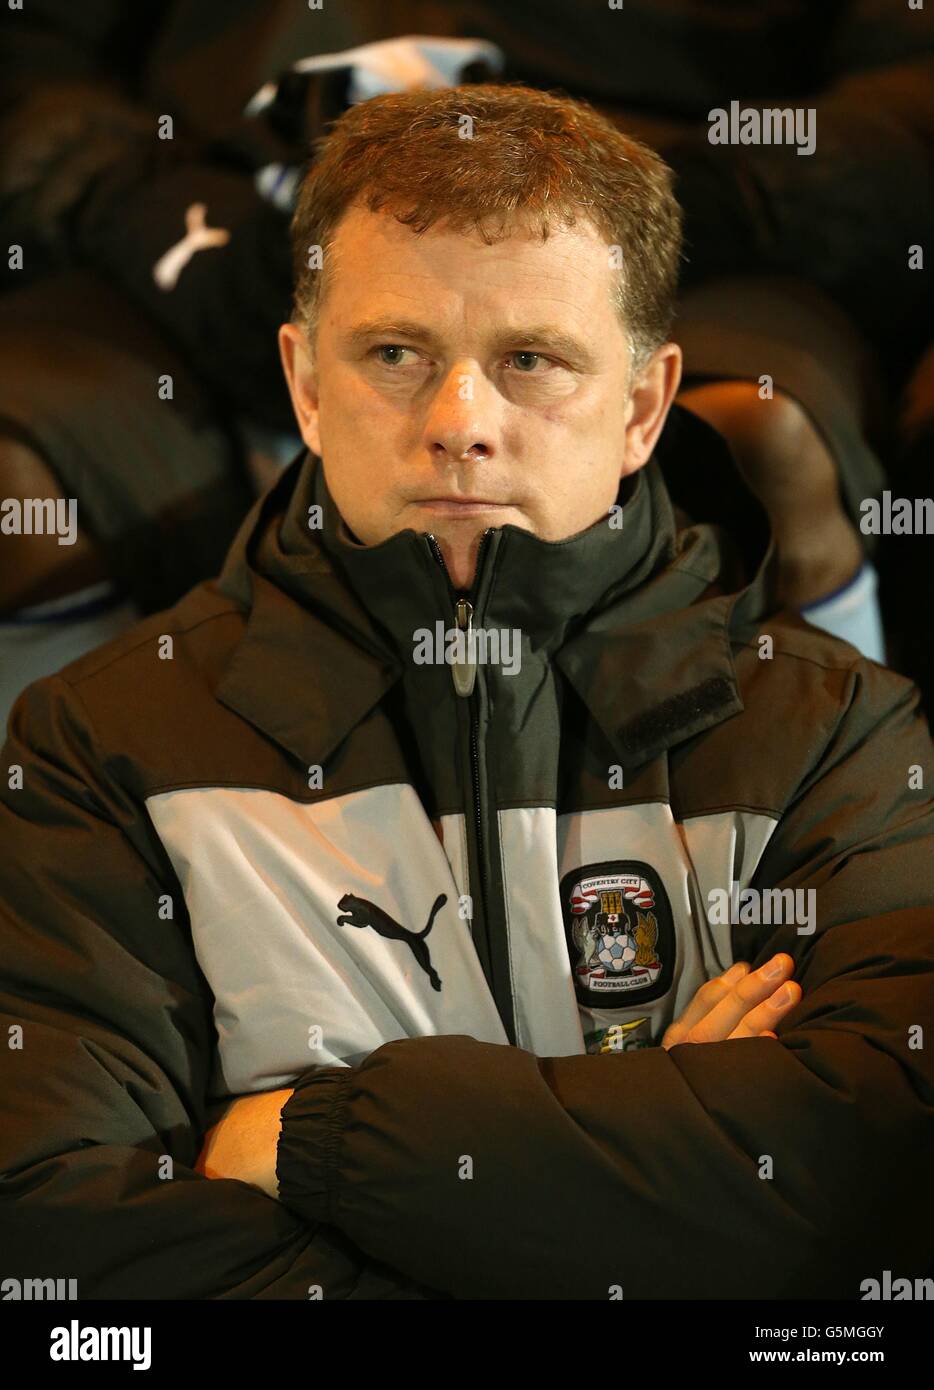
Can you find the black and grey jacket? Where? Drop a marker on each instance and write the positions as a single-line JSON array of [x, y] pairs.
[[255, 835]]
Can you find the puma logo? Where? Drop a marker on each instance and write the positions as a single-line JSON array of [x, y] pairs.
[[197, 237], [362, 913]]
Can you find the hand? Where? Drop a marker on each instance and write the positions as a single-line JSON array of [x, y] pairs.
[[244, 1141], [741, 1003]]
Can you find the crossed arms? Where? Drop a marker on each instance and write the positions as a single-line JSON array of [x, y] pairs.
[[741, 1003], [749, 1167]]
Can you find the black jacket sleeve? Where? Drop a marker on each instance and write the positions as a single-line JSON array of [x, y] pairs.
[[108, 1041], [743, 1169]]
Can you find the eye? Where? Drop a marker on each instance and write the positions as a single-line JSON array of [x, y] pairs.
[[389, 348], [524, 365]]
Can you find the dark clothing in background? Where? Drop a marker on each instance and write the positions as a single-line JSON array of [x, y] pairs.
[[905, 561], [89, 180], [157, 479], [94, 199], [739, 327], [84, 180], [843, 217]]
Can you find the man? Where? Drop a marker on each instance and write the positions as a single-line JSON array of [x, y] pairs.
[[344, 951]]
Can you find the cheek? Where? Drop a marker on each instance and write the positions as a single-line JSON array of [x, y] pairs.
[[564, 430], [351, 485], [352, 409], [573, 462], [358, 445]]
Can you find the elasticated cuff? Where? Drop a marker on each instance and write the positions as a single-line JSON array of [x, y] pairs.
[[306, 1155]]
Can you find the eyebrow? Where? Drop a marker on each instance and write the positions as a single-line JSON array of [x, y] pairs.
[[544, 336]]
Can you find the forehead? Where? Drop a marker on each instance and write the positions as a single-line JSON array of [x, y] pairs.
[[373, 254]]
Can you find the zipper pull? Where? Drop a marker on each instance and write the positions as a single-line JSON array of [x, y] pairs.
[[464, 672]]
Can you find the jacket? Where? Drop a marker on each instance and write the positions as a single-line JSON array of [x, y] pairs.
[[254, 836]]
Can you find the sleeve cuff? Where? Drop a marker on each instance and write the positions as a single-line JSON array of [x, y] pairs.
[[307, 1152]]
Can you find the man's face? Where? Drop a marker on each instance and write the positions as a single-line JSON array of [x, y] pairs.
[[445, 368]]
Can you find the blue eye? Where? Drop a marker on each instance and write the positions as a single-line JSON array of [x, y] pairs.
[[390, 347]]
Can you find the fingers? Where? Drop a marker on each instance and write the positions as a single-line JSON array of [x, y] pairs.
[[762, 1019], [704, 1000], [740, 1003], [744, 998]]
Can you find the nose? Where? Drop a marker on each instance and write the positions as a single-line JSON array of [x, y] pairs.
[[460, 422]]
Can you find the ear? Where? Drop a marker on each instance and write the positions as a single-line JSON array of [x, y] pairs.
[[298, 363], [650, 398]]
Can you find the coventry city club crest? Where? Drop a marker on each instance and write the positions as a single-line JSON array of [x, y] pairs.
[[620, 933]]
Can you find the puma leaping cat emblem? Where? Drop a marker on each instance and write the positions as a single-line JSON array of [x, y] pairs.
[[362, 913], [198, 237]]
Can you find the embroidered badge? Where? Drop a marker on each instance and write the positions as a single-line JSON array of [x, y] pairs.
[[620, 933], [360, 912]]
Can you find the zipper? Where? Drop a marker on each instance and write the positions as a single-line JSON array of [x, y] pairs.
[[436, 550], [464, 678], [463, 673]]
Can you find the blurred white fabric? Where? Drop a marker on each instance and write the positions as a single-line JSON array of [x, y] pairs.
[[852, 613], [394, 65], [391, 65]]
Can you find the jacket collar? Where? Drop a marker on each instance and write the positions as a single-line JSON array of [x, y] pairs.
[[543, 588], [638, 618]]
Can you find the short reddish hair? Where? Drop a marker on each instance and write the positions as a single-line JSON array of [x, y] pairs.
[[542, 157]]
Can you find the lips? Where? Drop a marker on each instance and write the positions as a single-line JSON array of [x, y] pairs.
[[461, 501]]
